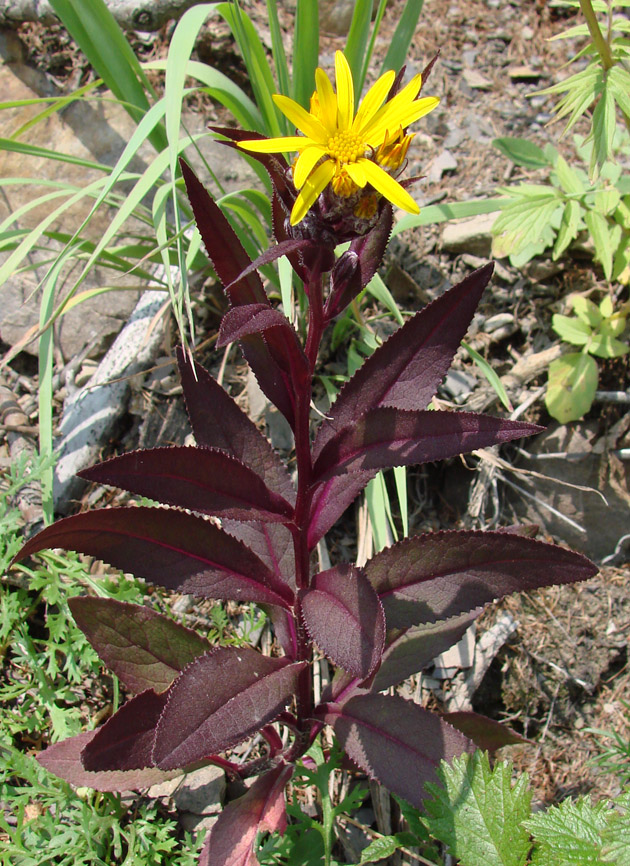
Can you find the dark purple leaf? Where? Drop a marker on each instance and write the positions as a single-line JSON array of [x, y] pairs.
[[125, 742], [344, 617], [218, 422], [220, 699], [145, 649], [280, 336], [404, 372], [200, 479], [412, 650], [271, 542], [229, 260], [395, 741], [64, 760], [392, 437], [168, 547], [356, 267], [330, 500], [442, 574], [288, 247], [261, 809], [485, 733]]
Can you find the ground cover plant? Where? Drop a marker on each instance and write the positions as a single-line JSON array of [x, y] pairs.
[[239, 526]]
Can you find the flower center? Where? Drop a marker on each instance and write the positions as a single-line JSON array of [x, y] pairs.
[[346, 146]]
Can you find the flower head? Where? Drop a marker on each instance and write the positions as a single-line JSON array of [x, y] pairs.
[[346, 150]]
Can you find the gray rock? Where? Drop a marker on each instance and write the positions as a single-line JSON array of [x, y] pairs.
[[476, 80], [201, 791], [443, 162], [469, 236]]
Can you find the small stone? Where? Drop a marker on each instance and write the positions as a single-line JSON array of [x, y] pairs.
[[469, 236], [442, 163], [500, 320], [527, 32], [524, 73], [476, 80], [469, 57], [201, 791]]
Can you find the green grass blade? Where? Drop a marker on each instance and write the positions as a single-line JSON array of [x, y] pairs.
[[44, 152], [490, 375], [277, 49], [380, 512], [45, 389], [370, 49], [305, 50], [259, 71], [399, 46], [53, 106], [356, 44], [440, 213], [377, 288], [400, 477], [285, 272], [95, 30]]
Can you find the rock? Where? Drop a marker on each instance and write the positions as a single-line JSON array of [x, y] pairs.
[[469, 236], [443, 162], [335, 16], [201, 791], [476, 80], [524, 73]]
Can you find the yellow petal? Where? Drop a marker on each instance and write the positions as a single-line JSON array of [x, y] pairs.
[[276, 145], [356, 173], [373, 100], [314, 184], [304, 121], [307, 160], [405, 97], [388, 187], [327, 100], [345, 91], [401, 116]]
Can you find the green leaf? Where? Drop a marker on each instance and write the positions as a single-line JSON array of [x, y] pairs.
[[305, 50], [478, 813], [357, 41], [490, 375], [404, 33], [571, 386], [616, 836], [619, 84], [606, 307], [526, 221], [521, 152], [606, 346], [604, 122], [568, 179], [605, 237], [586, 311], [569, 833], [379, 849], [569, 227]]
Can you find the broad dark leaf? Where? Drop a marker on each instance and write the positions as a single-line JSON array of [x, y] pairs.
[[344, 617], [125, 742], [145, 649], [218, 422], [355, 268], [382, 438], [288, 247], [408, 652], [271, 542], [220, 699], [261, 809], [442, 574], [251, 319], [405, 372], [64, 760], [174, 549], [485, 733], [230, 260], [200, 479], [395, 741], [330, 500]]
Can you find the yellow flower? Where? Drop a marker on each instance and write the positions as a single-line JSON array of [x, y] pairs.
[[346, 149]]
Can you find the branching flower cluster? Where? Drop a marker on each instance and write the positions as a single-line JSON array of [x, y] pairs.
[[377, 624]]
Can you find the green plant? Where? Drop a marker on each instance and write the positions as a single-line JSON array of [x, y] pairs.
[[377, 624], [485, 817], [614, 758], [573, 378]]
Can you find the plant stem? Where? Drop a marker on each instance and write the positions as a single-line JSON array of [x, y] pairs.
[[596, 34]]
